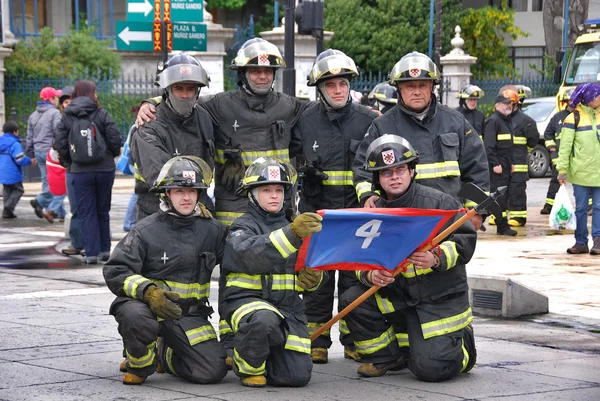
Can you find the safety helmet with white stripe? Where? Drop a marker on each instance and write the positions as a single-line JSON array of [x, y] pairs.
[[470, 92], [415, 66], [267, 171]]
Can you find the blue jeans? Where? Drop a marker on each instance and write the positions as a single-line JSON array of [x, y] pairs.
[[57, 206], [45, 197], [582, 196], [130, 214], [75, 228]]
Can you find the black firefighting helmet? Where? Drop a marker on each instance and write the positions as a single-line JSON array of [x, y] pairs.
[[331, 63], [524, 92], [183, 172], [384, 93], [267, 171], [414, 66], [390, 150], [181, 68], [470, 92], [258, 52]]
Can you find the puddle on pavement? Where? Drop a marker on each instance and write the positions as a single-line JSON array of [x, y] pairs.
[[37, 258]]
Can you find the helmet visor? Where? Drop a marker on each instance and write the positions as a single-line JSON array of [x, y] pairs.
[[262, 54], [182, 172], [332, 65], [179, 73], [412, 68]]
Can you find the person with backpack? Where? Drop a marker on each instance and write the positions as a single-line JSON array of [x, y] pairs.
[[87, 140], [12, 159]]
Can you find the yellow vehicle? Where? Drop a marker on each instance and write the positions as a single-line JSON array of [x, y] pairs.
[[584, 63]]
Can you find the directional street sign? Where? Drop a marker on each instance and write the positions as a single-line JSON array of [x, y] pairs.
[[187, 36], [135, 36], [187, 11], [140, 10]]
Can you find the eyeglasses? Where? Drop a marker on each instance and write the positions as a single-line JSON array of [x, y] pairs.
[[389, 173]]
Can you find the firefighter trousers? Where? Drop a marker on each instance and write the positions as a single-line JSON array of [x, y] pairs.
[[260, 349], [189, 346], [381, 338], [517, 197], [318, 306], [497, 181], [552, 188]]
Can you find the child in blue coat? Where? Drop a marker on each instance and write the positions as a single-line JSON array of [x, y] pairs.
[[12, 159]]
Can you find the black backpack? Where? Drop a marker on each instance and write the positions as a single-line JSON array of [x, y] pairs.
[[86, 142]]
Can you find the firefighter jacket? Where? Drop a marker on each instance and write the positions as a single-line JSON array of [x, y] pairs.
[[258, 126], [552, 134], [498, 141], [258, 264], [449, 153], [170, 135], [175, 253], [579, 153], [475, 117], [525, 137], [333, 137], [438, 294]]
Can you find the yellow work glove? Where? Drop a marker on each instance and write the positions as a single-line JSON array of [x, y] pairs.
[[160, 303], [309, 278], [204, 212], [306, 225]]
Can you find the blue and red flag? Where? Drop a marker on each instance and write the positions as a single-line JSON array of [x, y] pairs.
[[370, 239]]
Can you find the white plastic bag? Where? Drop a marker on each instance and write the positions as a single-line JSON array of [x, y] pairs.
[[562, 215]]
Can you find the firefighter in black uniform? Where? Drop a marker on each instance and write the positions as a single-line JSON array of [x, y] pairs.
[[160, 273], [383, 97], [261, 297], [426, 308], [525, 138], [331, 130], [449, 152], [180, 128], [467, 106], [498, 140]]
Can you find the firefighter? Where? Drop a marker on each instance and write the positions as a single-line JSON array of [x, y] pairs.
[[248, 123], [525, 138], [449, 152], [467, 106], [160, 273], [499, 146], [180, 128], [421, 318], [383, 97], [331, 130], [261, 298]]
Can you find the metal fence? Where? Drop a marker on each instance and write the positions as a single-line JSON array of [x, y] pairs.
[[540, 87]]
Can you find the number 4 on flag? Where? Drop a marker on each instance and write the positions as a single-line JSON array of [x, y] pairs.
[[369, 231]]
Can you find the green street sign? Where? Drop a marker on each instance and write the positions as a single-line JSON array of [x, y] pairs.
[[135, 36], [187, 11], [188, 36], [140, 10]]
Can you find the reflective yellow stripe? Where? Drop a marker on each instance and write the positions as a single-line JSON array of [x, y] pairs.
[[504, 137], [245, 368], [375, 344], [402, 339], [344, 327], [449, 249], [550, 143], [227, 218], [519, 140], [282, 243], [201, 334], [131, 284], [465, 361], [550, 201], [411, 272], [384, 305], [521, 168], [249, 308], [555, 161], [447, 325], [338, 178], [250, 156], [242, 280], [469, 203], [185, 290], [438, 170], [282, 282], [169, 358], [143, 361], [224, 328], [520, 214], [362, 188], [298, 344], [312, 327], [137, 174]]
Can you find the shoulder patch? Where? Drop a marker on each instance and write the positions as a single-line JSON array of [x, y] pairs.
[[235, 233], [468, 132]]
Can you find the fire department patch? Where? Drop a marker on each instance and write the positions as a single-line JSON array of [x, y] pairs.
[[185, 70], [263, 59], [236, 233], [274, 173], [335, 70], [414, 72], [388, 156], [189, 174]]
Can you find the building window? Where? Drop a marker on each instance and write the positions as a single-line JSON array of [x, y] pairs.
[[529, 61], [518, 5], [27, 17]]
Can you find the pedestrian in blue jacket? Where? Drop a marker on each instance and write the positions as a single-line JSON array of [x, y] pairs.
[[12, 159]]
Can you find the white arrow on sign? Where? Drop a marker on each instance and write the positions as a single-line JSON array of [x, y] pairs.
[[144, 7], [135, 36]]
